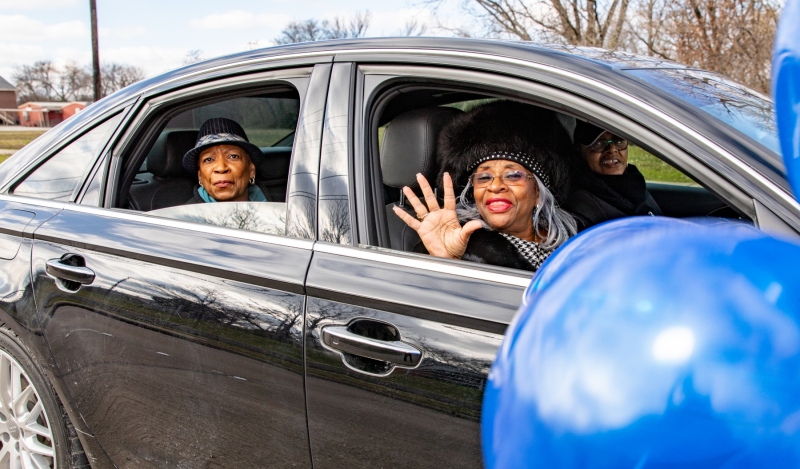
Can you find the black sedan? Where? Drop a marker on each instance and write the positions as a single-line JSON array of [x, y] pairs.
[[150, 333]]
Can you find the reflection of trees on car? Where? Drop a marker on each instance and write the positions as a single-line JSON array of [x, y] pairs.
[[244, 217], [335, 221]]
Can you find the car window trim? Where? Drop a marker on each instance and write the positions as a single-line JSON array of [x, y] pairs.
[[458, 268], [139, 217]]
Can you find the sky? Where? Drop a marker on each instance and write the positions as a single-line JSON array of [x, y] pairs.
[[157, 35]]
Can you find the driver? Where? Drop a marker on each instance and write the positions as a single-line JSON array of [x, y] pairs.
[[225, 162]]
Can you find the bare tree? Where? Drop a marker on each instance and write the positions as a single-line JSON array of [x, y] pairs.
[[576, 22], [732, 37], [43, 81], [35, 82], [193, 56], [413, 27], [117, 76], [312, 30]]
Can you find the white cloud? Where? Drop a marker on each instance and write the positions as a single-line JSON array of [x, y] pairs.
[[14, 55], [122, 33], [20, 26], [238, 19], [392, 23], [36, 4], [153, 60]]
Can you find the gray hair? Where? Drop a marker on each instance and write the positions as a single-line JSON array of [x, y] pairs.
[[547, 218]]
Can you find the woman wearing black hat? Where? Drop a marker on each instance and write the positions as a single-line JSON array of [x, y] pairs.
[[503, 155], [605, 186], [225, 163]]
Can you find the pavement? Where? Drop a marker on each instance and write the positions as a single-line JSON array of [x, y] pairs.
[[6, 151]]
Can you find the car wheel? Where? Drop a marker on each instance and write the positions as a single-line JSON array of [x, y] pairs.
[[32, 429]]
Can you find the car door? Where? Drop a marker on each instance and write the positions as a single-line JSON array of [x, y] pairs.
[[367, 303], [180, 343], [398, 345]]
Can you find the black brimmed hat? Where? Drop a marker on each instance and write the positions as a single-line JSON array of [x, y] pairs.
[[220, 131], [506, 130], [586, 133]]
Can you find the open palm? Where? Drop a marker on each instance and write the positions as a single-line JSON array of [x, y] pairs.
[[438, 227]]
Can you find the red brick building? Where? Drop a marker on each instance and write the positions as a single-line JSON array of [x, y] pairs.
[[8, 100], [47, 114]]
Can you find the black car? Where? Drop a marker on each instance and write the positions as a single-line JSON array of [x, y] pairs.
[[303, 330]]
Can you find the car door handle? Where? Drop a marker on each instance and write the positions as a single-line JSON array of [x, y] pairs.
[[395, 352], [58, 269]]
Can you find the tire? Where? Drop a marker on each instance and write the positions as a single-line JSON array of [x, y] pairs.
[[33, 431]]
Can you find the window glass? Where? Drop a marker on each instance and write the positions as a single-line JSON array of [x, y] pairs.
[[654, 169], [268, 120], [164, 188], [58, 177], [746, 110]]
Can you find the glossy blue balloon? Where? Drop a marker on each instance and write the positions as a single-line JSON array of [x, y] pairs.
[[786, 89], [652, 343]]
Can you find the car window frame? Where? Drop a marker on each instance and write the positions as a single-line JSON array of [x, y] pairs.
[[372, 81], [153, 112]]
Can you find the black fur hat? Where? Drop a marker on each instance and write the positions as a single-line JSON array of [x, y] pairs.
[[529, 135]]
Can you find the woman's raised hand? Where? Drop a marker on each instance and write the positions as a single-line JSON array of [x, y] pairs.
[[438, 228]]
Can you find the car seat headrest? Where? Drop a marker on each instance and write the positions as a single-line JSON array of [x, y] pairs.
[[409, 145], [275, 164], [166, 157]]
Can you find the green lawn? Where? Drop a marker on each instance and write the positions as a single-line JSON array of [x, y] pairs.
[[3, 158], [655, 170], [17, 140]]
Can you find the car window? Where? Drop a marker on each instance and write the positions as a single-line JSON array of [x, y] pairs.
[[670, 191], [163, 187], [57, 178]]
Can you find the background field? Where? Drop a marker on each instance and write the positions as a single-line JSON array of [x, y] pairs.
[[15, 141]]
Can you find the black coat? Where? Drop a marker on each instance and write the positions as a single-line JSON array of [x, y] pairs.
[[196, 199], [489, 247], [595, 199]]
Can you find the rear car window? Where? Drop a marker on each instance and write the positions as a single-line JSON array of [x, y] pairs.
[[57, 178]]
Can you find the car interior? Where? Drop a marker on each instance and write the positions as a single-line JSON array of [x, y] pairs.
[[161, 181], [405, 127]]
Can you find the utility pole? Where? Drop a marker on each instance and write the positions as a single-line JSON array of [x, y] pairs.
[[98, 90]]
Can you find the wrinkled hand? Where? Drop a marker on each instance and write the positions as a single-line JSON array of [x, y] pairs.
[[438, 228]]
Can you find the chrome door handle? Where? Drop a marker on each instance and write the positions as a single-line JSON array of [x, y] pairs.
[[58, 269], [395, 352]]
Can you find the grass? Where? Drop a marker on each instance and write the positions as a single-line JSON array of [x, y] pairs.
[[654, 169], [267, 137], [17, 140], [3, 158]]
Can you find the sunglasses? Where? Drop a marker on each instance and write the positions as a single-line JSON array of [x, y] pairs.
[[510, 178], [617, 142]]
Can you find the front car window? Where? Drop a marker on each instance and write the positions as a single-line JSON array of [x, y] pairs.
[[58, 177], [163, 187], [746, 110]]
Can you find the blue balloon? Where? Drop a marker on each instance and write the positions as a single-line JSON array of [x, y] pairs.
[[652, 342], [786, 89]]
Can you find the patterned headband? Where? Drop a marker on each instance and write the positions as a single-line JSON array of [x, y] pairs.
[[222, 138], [517, 157]]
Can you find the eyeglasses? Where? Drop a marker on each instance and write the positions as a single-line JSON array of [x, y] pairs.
[[600, 145], [509, 178]]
